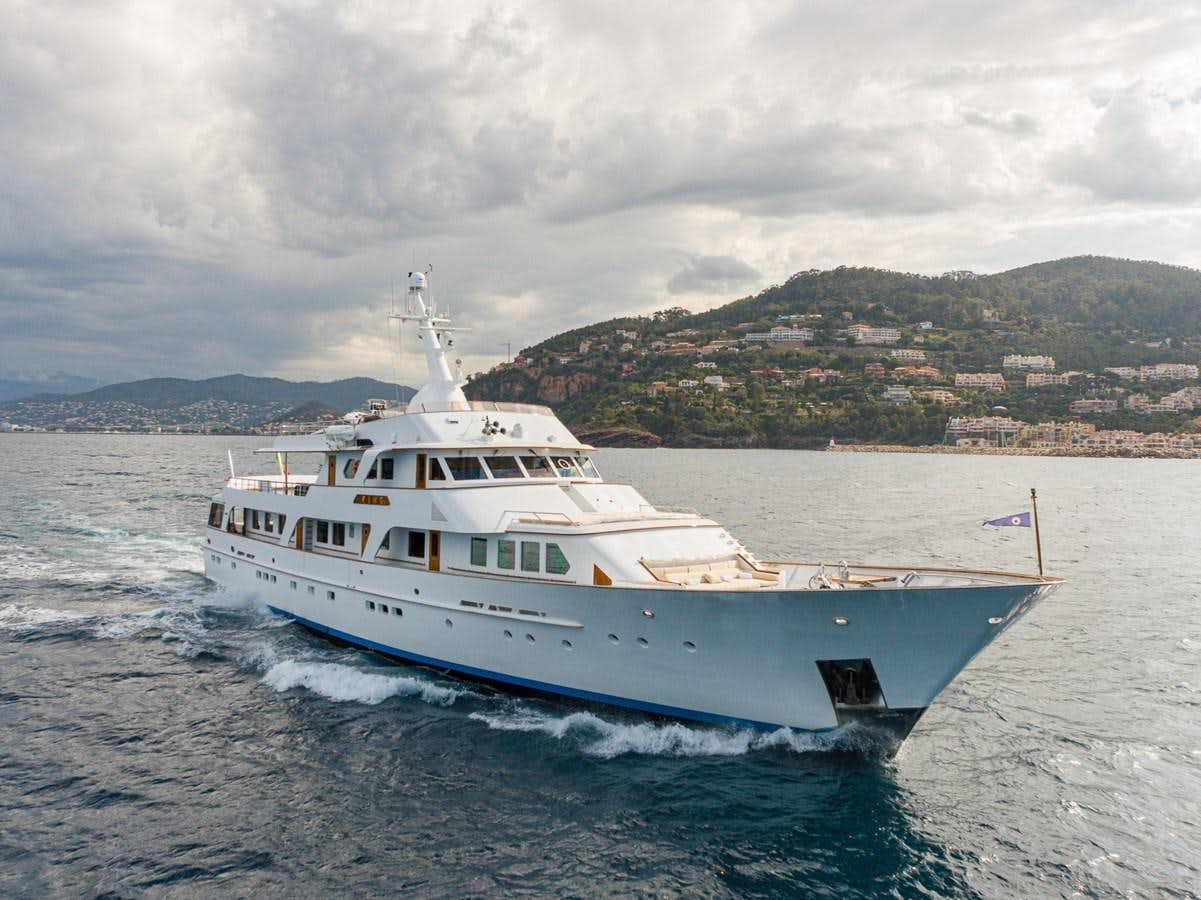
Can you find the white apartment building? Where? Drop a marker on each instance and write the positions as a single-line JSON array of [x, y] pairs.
[[873, 334], [904, 353], [1042, 379], [783, 334], [990, 381], [1036, 363]]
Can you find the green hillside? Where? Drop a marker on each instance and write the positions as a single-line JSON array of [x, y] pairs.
[[1088, 313]]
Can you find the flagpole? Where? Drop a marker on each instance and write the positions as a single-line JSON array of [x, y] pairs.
[[1038, 544]]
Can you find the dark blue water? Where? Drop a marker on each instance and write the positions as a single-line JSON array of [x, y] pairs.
[[158, 738]]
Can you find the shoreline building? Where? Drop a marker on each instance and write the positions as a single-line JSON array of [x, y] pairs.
[[872, 334], [783, 335], [990, 381], [983, 431], [1034, 363]]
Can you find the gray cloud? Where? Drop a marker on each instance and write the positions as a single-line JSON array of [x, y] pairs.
[[1015, 123], [234, 187], [711, 274]]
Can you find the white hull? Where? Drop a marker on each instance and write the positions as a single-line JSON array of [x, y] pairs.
[[719, 656]]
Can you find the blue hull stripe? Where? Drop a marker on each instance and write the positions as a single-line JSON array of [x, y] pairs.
[[641, 705]]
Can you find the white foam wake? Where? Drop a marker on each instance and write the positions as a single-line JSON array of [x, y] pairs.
[[33, 618], [609, 739], [341, 684]]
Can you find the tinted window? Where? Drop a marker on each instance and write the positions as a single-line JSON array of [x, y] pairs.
[[504, 467], [479, 551], [386, 467], [254, 518], [216, 514], [323, 532], [436, 471], [529, 556], [504, 554], [339, 534], [588, 468], [465, 468], [268, 522], [417, 544], [538, 466], [556, 562]]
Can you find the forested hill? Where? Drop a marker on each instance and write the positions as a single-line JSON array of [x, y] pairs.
[[1088, 312]]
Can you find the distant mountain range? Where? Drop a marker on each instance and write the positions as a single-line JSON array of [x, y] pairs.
[[229, 402], [15, 387]]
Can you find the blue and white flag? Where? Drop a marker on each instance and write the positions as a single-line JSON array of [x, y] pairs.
[[1022, 520]]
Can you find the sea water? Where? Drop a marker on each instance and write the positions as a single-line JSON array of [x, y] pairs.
[[159, 737]]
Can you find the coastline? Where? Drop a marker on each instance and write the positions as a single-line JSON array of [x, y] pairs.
[[1086, 452]]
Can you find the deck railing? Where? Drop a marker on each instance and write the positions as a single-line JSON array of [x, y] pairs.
[[270, 485]]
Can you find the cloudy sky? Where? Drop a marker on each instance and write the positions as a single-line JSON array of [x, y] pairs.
[[200, 188]]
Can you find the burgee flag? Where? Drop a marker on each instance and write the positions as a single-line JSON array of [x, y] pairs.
[[1022, 520]]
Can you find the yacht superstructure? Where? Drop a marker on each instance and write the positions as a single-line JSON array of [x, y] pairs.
[[480, 538]]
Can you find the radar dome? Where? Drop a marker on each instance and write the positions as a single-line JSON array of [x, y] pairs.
[[416, 281]]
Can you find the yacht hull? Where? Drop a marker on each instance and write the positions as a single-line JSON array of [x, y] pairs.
[[729, 657]]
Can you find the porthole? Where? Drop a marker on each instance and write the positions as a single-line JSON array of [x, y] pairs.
[[417, 592], [689, 646], [643, 642], [841, 620], [530, 638], [450, 624], [566, 645], [383, 607], [614, 639], [396, 610], [508, 634], [648, 613]]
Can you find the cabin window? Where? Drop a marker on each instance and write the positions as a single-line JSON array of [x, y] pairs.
[[268, 522], [351, 467], [322, 532], [465, 468], [529, 556], [556, 562], [386, 543], [504, 467], [505, 551], [587, 467], [339, 538], [371, 471], [437, 473], [216, 514], [417, 544], [479, 551], [387, 466], [282, 519], [538, 466], [254, 519], [565, 467]]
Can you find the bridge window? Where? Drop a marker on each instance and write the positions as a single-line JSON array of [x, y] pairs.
[[417, 544], [556, 562], [465, 468], [565, 467], [529, 556], [339, 537], [504, 467], [322, 532], [216, 515], [387, 466], [505, 551], [351, 468], [587, 467], [437, 473], [268, 522], [538, 466], [254, 519], [479, 551]]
